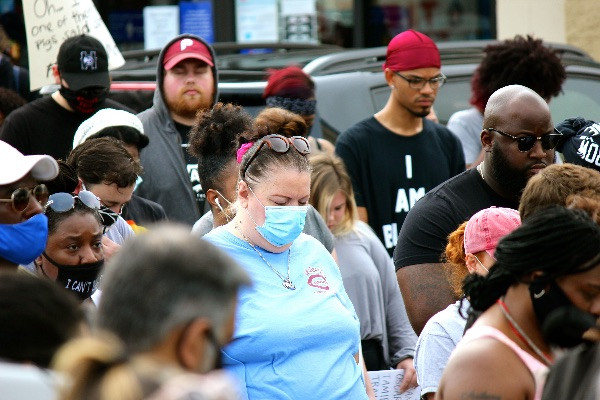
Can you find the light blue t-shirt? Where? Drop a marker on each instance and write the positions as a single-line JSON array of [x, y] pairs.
[[292, 344], [438, 338]]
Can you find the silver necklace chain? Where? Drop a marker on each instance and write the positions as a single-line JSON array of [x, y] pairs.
[[530, 343], [287, 283]]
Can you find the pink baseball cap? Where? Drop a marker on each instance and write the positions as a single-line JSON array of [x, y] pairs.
[[411, 50], [485, 229], [186, 48]]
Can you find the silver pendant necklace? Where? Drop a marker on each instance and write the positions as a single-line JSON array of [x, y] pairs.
[[287, 283]]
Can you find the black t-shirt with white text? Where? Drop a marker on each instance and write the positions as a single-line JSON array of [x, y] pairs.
[[391, 172], [191, 164], [424, 235]]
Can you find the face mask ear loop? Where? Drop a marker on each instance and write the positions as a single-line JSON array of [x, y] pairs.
[[480, 263], [250, 215]]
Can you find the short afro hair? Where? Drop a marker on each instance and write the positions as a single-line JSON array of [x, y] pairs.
[[523, 61]]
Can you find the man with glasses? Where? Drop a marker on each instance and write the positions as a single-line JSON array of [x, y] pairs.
[[518, 138], [397, 155], [23, 227]]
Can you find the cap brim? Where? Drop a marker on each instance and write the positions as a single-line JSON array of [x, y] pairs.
[[184, 56], [41, 167], [83, 80]]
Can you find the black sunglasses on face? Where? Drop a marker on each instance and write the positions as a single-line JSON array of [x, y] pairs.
[[280, 144], [526, 143], [63, 202], [20, 197]]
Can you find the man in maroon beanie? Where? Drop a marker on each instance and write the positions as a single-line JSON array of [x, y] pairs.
[[397, 155]]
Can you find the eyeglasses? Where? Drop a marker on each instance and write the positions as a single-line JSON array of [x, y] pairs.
[[280, 144], [419, 83], [20, 197], [63, 202], [526, 143]]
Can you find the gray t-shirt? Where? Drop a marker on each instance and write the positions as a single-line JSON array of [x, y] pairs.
[[467, 126], [313, 226], [119, 231], [369, 278], [438, 339]]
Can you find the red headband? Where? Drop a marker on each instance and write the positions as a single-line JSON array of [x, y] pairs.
[[411, 50]]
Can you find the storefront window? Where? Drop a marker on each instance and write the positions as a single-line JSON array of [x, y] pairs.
[[442, 20], [336, 21]]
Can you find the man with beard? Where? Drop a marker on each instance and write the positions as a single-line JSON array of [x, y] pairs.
[[186, 81], [519, 140], [397, 155], [47, 125]]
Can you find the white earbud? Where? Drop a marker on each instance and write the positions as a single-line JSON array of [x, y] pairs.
[[219, 205]]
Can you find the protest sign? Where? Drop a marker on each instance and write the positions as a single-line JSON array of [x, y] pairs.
[[385, 385], [50, 22]]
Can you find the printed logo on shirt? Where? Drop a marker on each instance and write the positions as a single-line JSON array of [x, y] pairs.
[[317, 279]]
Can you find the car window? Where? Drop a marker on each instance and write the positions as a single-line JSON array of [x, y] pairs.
[[580, 98]]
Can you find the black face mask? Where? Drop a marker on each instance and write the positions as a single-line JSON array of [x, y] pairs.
[[84, 101], [210, 336], [80, 279], [108, 216], [218, 364], [562, 323]]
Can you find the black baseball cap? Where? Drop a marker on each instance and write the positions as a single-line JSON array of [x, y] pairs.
[[82, 62], [581, 142]]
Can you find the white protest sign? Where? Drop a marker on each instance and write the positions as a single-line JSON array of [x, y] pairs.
[[50, 22], [385, 385]]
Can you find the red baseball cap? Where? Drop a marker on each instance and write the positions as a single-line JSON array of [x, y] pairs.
[[186, 48]]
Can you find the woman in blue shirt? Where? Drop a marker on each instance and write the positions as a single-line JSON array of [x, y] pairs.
[[297, 334]]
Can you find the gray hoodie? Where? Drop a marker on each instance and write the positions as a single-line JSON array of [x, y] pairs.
[[166, 179]]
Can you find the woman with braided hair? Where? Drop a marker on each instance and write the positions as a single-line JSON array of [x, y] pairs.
[[543, 291]]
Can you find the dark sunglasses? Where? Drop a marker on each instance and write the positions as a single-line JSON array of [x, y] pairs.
[[20, 197], [526, 143], [280, 144], [63, 202]]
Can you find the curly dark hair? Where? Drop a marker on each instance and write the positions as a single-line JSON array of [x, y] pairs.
[[213, 140], [522, 60]]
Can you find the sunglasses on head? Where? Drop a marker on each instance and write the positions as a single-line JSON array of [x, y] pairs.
[[63, 202], [280, 144], [526, 143], [20, 197]]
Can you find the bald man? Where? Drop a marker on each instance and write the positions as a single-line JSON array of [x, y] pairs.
[[518, 138]]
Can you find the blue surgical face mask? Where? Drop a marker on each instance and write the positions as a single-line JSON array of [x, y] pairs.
[[23, 242], [137, 182], [283, 224]]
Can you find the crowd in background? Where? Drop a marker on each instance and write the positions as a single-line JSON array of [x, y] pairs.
[[197, 251]]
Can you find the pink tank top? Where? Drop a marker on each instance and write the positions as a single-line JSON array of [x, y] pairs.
[[538, 369]]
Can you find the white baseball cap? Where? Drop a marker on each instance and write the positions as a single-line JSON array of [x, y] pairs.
[[106, 118], [14, 165]]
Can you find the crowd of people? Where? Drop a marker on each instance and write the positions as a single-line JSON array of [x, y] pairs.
[[197, 251]]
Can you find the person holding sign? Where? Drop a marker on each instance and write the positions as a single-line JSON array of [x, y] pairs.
[[47, 125], [186, 82]]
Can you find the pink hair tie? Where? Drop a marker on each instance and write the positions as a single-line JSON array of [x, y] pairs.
[[243, 150]]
